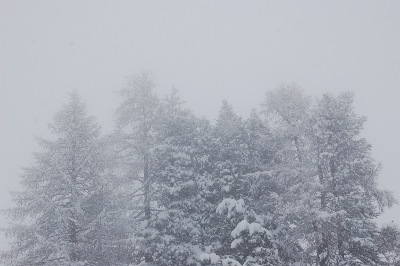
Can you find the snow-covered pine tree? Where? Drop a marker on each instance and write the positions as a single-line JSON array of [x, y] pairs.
[[229, 152], [241, 155], [349, 199], [62, 212], [229, 183], [388, 243], [259, 143], [173, 234], [136, 119], [287, 110]]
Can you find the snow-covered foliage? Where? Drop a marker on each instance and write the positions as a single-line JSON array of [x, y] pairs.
[[292, 185], [66, 208], [230, 206]]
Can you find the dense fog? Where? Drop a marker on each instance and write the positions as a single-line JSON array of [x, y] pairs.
[[211, 155]]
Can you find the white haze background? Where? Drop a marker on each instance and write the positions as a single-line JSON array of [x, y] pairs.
[[209, 50]]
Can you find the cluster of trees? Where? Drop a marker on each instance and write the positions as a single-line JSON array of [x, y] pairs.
[[294, 184]]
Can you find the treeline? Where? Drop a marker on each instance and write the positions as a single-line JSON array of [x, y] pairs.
[[294, 184]]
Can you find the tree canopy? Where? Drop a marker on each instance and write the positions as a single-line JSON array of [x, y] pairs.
[[292, 184]]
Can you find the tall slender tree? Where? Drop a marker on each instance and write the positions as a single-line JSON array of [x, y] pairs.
[[136, 120], [287, 110], [63, 204]]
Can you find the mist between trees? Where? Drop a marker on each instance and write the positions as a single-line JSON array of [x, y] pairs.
[[293, 184]]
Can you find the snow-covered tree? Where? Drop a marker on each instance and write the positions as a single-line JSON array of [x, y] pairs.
[[135, 121], [388, 243], [242, 158], [230, 152], [294, 187], [179, 232], [287, 110], [134, 139], [167, 235], [62, 212], [349, 199]]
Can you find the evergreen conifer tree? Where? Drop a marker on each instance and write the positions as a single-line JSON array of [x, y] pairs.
[[63, 208]]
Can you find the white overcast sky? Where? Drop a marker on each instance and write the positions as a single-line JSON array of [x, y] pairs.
[[209, 50]]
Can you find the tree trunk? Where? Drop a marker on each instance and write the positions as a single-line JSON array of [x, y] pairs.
[[322, 248], [146, 180], [297, 144]]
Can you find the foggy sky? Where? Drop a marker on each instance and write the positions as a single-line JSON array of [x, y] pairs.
[[208, 50]]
